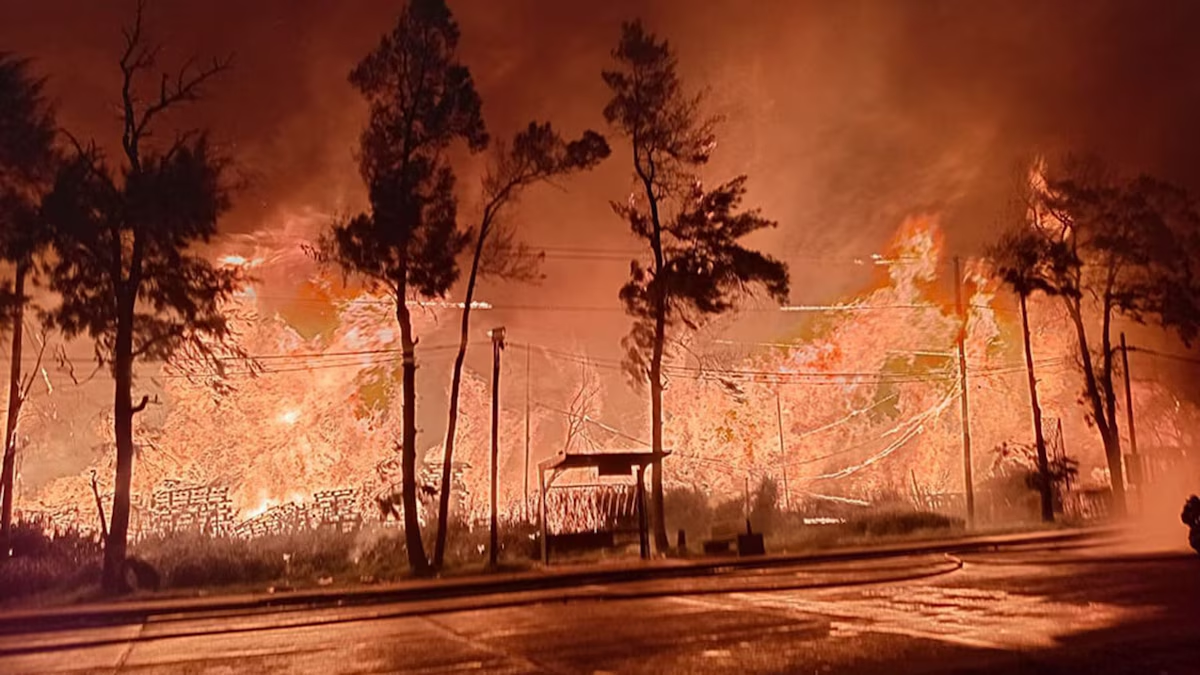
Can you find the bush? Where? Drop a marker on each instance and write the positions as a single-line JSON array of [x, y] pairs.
[[467, 545], [379, 554], [897, 523], [764, 507], [688, 509], [187, 560], [41, 562], [194, 560]]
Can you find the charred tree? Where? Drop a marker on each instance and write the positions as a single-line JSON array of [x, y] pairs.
[[422, 100], [696, 265], [536, 154], [124, 262]]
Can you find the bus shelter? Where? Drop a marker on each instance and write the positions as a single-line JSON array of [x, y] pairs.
[[608, 464]]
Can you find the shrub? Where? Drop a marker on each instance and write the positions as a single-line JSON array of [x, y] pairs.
[[186, 560], [41, 562], [688, 509], [194, 560], [764, 506], [896, 523], [379, 554]]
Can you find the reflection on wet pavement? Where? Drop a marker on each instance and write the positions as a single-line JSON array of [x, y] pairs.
[[979, 618]]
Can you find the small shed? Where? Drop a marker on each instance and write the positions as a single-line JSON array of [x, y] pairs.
[[608, 463]]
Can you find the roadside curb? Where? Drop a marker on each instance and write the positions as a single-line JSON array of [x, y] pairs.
[[92, 615]]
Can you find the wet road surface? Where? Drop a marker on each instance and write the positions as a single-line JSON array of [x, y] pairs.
[[1071, 610]]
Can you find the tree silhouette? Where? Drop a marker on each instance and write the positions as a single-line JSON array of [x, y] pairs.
[[421, 101], [536, 154], [125, 266], [1022, 257], [1123, 247], [697, 266], [27, 161]]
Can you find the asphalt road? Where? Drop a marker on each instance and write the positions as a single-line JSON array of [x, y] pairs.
[[1075, 609]]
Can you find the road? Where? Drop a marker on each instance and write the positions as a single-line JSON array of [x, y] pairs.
[[1034, 610]]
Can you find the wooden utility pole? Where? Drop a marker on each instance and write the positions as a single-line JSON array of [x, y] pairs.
[[497, 335], [968, 481], [1135, 476], [787, 499], [525, 502], [643, 521]]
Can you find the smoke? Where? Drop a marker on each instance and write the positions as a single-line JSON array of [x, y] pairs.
[[847, 116]]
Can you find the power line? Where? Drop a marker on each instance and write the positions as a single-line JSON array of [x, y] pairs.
[[1165, 355], [321, 355], [724, 376], [502, 307]]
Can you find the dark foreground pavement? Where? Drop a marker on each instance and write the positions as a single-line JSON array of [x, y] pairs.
[[1045, 608]]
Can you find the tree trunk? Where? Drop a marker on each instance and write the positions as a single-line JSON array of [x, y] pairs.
[[1043, 463], [1108, 432], [439, 548], [118, 531], [1112, 441], [659, 523], [417, 561], [658, 517], [8, 473]]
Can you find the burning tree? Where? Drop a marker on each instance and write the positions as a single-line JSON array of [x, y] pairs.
[[1121, 247], [125, 267], [421, 101], [692, 232], [536, 154], [27, 161]]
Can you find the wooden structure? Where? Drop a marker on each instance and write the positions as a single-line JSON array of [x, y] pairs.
[[608, 464]]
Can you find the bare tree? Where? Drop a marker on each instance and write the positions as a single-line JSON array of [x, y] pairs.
[[537, 154], [582, 409], [125, 266]]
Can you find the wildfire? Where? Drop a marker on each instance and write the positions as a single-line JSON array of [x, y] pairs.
[[860, 410]]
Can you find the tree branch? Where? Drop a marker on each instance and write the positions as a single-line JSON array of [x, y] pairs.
[[140, 406], [186, 89], [37, 366], [175, 333]]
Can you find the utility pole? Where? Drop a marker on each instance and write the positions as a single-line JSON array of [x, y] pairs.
[[643, 521], [525, 502], [497, 335], [1135, 475], [968, 481], [787, 499]]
